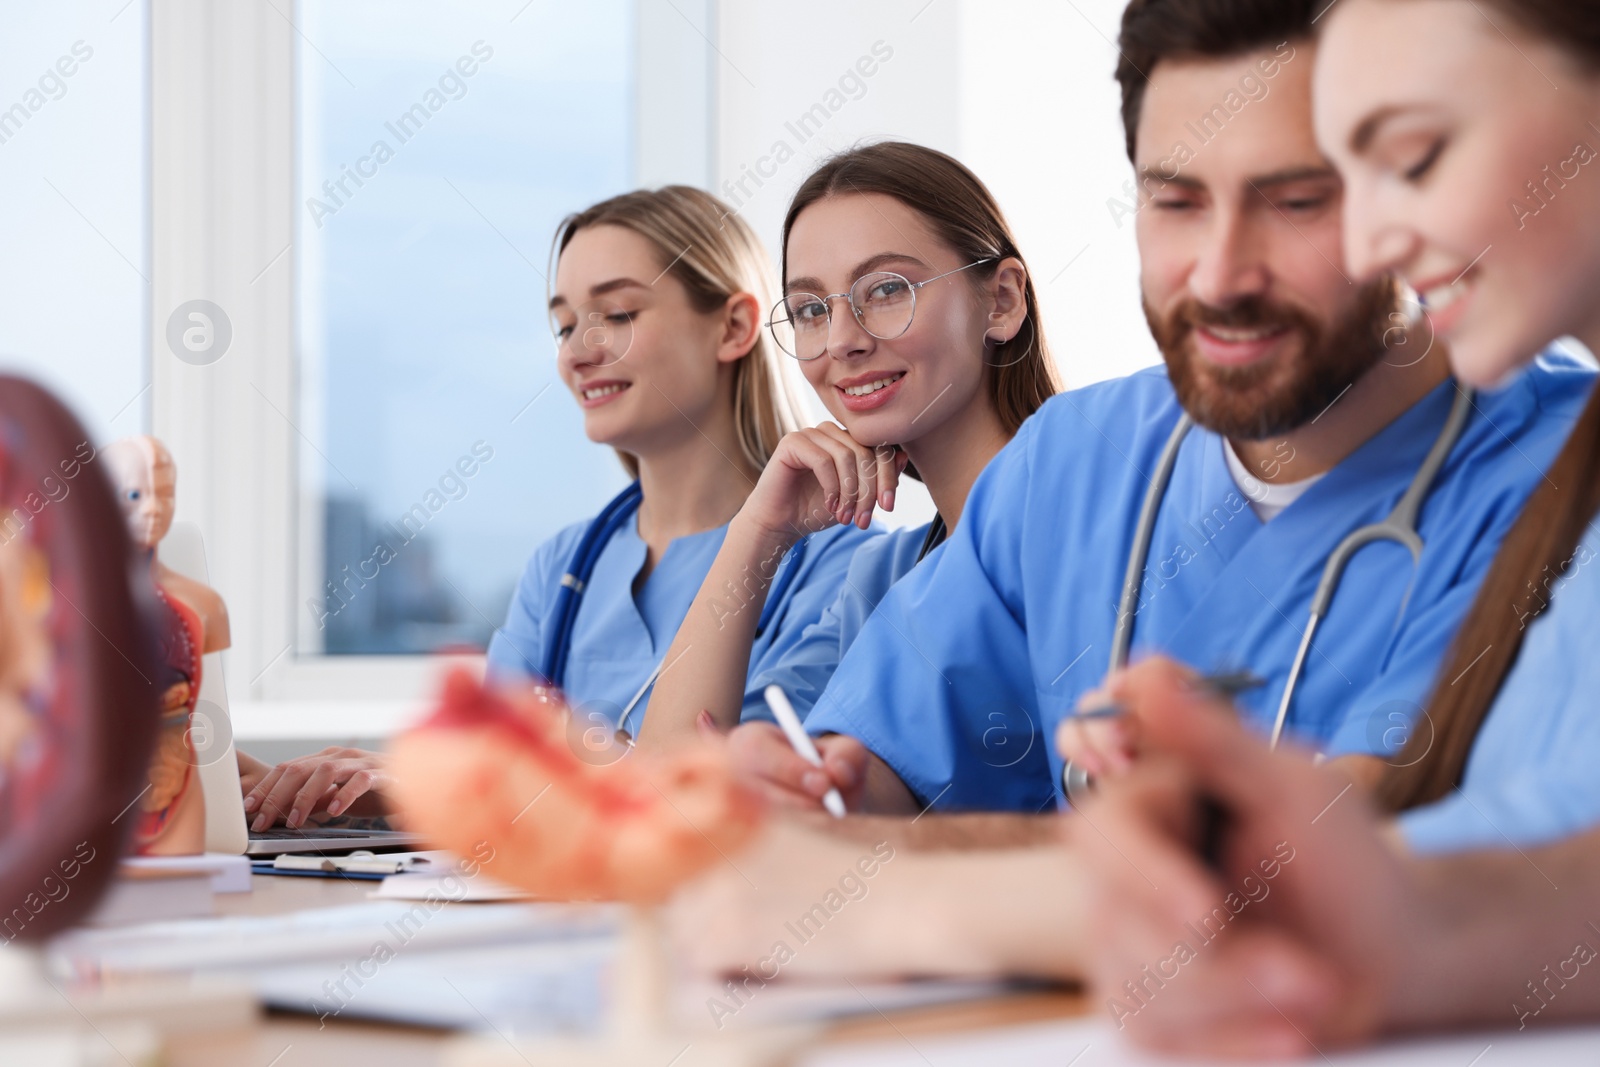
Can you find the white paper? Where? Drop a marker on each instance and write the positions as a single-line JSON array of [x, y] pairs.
[[460, 888], [549, 988], [1096, 1043], [229, 874], [243, 943]]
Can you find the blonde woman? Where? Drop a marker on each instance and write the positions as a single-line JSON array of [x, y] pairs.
[[658, 302]]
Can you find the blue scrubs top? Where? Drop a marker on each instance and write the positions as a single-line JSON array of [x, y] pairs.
[[805, 668], [1531, 776], [618, 638], [961, 677]]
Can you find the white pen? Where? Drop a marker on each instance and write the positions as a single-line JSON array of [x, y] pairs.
[[783, 711]]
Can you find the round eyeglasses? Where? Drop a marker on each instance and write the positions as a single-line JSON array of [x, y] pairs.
[[883, 303]]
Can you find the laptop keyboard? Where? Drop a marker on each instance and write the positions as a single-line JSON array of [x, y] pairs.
[[283, 833]]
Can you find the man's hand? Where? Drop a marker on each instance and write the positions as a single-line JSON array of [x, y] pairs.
[[1101, 747]]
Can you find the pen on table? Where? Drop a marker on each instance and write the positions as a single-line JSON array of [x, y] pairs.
[[783, 711], [1210, 813]]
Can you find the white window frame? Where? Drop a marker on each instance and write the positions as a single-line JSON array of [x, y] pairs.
[[222, 194]]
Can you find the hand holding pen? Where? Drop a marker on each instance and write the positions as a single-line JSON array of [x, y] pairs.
[[789, 722], [1101, 738], [1211, 817]]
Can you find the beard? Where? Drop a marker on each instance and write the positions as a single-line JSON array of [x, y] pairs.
[[1281, 393]]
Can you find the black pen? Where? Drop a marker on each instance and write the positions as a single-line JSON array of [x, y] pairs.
[[1225, 684]]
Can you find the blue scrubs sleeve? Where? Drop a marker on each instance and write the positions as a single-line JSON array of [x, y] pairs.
[[1529, 806], [517, 647], [1530, 778], [805, 669], [801, 648], [938, 683]]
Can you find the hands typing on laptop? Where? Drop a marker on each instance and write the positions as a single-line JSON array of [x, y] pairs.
[[336, 787]]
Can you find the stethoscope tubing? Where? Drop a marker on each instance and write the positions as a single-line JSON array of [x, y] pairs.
[[1400, 526], [574, 584]]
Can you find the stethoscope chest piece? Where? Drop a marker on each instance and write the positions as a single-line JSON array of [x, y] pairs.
[[1076, 783]]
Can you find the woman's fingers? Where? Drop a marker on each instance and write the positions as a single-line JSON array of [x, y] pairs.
[[251, 772], [844, 759], [257, 800], [335, 784], [890, 462], [763, 757], [858, 481], [865, 470], [360, 783], [850, 480], [293, 791], [820, 462], [1314, 955], [843, 471], [853, 479], [1255, 994], [314, 780]]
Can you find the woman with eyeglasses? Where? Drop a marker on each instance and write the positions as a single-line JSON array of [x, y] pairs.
[[658, 303], [909, 309]]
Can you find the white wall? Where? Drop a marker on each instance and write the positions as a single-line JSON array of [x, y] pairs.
[[1040, 124], [1019, 90], [780, 60]]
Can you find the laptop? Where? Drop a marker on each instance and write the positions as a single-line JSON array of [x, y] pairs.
[[227, 830]]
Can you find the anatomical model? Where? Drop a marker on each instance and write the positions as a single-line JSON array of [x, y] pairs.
[[191, 622], [78, 715], [498, 767]]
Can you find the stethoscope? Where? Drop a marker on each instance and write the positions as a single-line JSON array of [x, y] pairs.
[[581, 567], [1399, 526]]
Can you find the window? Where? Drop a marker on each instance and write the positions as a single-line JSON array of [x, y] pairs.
[[378, 335], [74, 282], [437, 148]]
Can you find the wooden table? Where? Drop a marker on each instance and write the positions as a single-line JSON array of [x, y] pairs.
[[287, 1040]]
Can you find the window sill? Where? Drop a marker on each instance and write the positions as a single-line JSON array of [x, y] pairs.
[[331, 721]]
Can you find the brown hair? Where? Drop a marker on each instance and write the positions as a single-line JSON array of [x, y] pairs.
[[714, 254], [964, 214], [1539, 548], [1153, 30]]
